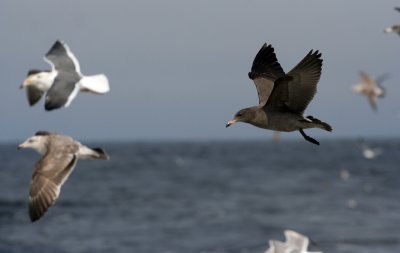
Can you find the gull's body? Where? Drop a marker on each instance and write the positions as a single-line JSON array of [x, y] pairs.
[[370, 88], [63, 82], [60, 155], [283, 97], [295, 243]]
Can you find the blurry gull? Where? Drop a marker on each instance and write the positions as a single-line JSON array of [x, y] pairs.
[[63, 82], [393, 28], [295, 243], [370, 153], [60, 155], [371, 88], [283, 97], [352, 203]]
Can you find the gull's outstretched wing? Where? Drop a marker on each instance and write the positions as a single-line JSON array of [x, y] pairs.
[[303, 86], [265, 70], [34, 94], [60, 57], [49, 175]]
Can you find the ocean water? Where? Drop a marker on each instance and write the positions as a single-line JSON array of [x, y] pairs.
[[209, 197]]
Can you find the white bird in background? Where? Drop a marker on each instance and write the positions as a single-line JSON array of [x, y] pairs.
[[60, 155], [393, 28], [370, 88], [295, 243], [63, 82], [371, 153]]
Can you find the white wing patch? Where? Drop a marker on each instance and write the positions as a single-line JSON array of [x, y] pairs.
[[53, 68], [72, 95]]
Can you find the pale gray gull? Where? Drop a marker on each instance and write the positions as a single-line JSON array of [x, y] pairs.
[[60, 155], [295, 243], [283, 97], [63, 82]]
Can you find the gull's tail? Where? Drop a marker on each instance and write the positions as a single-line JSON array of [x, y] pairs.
[[100, 154], [92, 153], [97, 84], [320, 124]]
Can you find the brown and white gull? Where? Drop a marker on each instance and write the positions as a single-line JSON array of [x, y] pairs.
[[63, 82], [60, 155], [283, 97], [371, 88], [393, 28], [295, 243]]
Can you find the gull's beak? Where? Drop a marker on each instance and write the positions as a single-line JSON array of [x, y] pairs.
[[20, 146], [26, 82], [231, 122]]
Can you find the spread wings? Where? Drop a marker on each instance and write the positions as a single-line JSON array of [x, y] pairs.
[[265, 70], [49, 175], [296, 90]]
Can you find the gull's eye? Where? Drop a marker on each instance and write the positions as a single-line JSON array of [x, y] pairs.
[[30, 141], [239, 115]]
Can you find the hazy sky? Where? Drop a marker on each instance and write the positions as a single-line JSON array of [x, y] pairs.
[[178, 69]]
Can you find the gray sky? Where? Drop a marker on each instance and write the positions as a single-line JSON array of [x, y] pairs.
[[178, 69]]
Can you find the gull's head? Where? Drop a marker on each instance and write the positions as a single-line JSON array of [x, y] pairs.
[[358, 88], [388, 30], [40, 79], [36, 142], [244, 115], [392, 29]]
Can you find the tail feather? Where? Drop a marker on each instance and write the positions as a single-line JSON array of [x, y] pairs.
[[96, 84], [320, 123], [100, 154]]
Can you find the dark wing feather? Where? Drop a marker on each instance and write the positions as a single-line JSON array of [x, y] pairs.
[[397, 8], [61, 58], [303, 86], [34, 94], [265, 70], [280, 94], [63, 86], [49, 175]]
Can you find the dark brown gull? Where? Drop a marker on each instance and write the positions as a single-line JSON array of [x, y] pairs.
[[63, 82], [283, 97], [60, 155]]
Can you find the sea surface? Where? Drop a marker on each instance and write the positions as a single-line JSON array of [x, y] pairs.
[[210, 197]]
